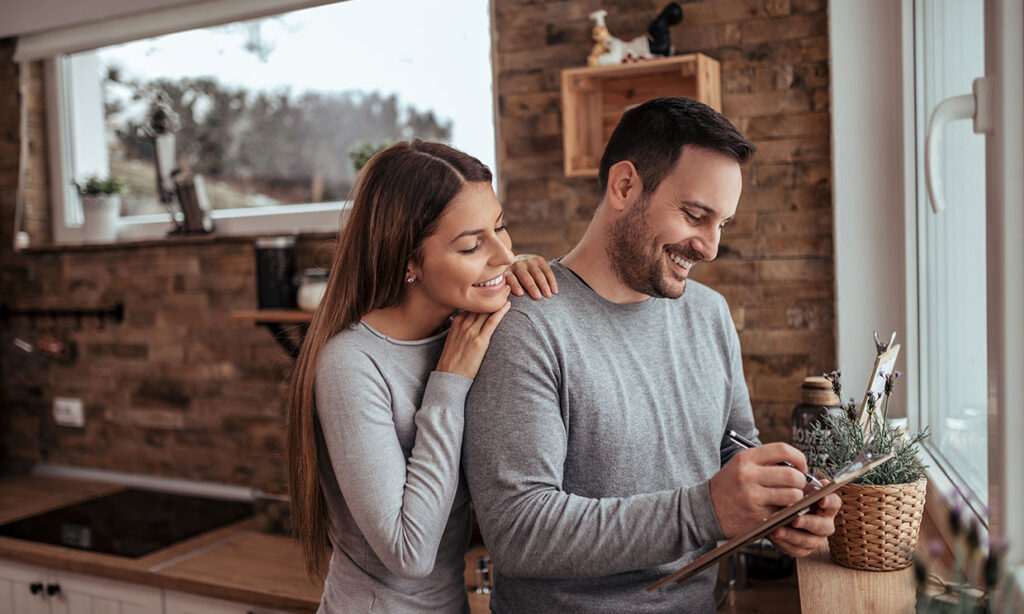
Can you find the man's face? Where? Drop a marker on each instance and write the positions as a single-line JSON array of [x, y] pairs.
[[654, 244]]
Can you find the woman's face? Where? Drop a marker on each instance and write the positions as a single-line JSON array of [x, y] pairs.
[[463, 263]]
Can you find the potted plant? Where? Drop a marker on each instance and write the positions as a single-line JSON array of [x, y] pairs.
[[878, 524], [101, 207]]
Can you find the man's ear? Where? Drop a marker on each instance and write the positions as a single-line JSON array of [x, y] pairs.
[[624, 186]]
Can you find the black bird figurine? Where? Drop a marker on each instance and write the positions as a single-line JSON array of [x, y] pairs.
[[661, 40]]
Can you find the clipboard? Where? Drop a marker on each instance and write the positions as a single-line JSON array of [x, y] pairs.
[[768, 525], [884, 362]]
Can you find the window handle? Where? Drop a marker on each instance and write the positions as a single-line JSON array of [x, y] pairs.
[[974, 106]]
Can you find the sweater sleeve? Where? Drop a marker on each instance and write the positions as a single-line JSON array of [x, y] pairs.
[[740, 416], [400, 506], [514, 451]]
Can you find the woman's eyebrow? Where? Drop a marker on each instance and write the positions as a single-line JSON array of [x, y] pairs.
[[477, 231]]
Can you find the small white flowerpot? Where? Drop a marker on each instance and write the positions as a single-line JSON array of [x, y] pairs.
[[102, 214]]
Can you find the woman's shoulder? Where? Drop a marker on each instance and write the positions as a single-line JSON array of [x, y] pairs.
[[351, 348]]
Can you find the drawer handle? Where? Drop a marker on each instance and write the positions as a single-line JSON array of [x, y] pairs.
[[35, 588], [52, 589]]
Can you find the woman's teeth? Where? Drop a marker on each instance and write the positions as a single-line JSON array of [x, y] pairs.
[[686, 264], [493, 282]]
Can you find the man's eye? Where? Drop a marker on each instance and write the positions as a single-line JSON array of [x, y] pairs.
[[692, 217]]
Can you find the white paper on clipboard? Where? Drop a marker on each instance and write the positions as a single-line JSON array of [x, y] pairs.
[[884, 363]]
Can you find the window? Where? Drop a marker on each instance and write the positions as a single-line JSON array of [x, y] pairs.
[[270, 111], [950, 251], [951, 281]]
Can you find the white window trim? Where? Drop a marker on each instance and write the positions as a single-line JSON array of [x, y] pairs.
[[65, 205]]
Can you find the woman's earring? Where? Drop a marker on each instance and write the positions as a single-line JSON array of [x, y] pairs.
[[410, 279]]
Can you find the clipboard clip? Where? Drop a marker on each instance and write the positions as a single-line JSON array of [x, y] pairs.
[[864, 457], [881, 347]]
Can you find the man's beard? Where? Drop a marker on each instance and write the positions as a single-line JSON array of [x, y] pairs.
[[635, 255]]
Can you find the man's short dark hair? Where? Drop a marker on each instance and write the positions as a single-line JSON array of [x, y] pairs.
[[652, 136]]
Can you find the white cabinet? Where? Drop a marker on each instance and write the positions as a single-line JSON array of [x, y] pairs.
[[184, 603], [28, 589]]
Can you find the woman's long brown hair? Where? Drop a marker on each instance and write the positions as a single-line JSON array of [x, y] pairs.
[[398, 198]]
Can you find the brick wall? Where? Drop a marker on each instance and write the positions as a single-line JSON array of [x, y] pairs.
[[178, 388], [775, 263], [181, 389]]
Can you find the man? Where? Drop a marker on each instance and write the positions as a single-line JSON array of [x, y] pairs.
[[595, 443]]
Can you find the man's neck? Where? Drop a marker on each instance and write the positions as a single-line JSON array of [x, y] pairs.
[[590, 262]]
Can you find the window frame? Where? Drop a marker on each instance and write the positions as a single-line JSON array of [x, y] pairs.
[[66, 211]]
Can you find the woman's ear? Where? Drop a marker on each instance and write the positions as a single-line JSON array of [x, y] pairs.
[[413, 272], [624, 185]]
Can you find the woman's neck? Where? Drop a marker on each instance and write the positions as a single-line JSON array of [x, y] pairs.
[[416, 317]]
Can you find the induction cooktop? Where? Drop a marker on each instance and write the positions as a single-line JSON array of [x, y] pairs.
[[130, 523]]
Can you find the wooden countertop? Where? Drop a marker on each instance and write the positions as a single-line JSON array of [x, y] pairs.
[[829, 587], [237, 562]]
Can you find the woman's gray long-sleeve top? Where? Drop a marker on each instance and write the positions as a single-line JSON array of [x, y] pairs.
[[388, 452]]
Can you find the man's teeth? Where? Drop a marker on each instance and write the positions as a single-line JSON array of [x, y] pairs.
[[494, 282], [686, 264]]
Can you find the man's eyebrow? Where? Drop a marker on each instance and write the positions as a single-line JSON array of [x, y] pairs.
[[703, 207], [477, 231]]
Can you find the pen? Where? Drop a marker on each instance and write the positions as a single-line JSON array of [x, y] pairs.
[[746, 443]]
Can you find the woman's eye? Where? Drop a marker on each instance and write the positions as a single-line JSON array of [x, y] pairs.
[[470, 250], [502, 228]]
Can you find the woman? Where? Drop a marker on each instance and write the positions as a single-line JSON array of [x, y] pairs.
[[376, 403]]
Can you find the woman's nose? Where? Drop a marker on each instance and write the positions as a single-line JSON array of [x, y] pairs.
[[503, 255]]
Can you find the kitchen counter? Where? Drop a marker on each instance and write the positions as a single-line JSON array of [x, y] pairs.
[[238, 562]]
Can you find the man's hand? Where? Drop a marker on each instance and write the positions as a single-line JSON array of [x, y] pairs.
[[805, 534], [752, 486]]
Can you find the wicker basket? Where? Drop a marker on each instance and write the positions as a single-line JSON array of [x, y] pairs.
[[877, 526]]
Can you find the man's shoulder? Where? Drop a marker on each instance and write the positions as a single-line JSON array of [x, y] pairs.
[[701, 295]]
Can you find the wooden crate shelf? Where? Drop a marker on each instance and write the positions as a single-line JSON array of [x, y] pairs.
[[594, 98]]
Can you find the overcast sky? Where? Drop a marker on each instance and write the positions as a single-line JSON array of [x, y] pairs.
[[433, 55]]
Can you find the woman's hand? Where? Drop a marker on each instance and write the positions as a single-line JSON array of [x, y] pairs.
[[531, 273], [467, 342]]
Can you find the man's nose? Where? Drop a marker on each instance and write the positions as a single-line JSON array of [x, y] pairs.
[[707, 244]]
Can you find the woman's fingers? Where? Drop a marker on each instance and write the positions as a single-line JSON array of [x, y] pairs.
[[491, 321], [513, 283]]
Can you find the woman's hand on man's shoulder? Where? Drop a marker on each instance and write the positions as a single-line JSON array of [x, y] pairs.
[[531, 274]]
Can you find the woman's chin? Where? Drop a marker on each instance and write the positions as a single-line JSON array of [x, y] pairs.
[[484, 304]]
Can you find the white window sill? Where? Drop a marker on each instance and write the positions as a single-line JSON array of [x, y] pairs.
[[315, 218]]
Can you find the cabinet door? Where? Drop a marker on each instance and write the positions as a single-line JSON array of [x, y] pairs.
[[17, 581], [81, 594], [185, 603]]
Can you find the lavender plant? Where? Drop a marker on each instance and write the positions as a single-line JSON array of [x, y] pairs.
[[838, 439]]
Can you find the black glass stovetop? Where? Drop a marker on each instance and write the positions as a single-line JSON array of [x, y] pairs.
[[130, 523]]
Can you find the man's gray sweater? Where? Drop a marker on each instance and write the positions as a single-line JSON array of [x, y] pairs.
[[592, 431]]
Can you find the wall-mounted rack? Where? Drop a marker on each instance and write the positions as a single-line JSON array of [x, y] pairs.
[[113, 314]]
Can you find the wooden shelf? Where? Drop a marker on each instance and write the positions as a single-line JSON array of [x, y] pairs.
[[595, 97], [283, 316]]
